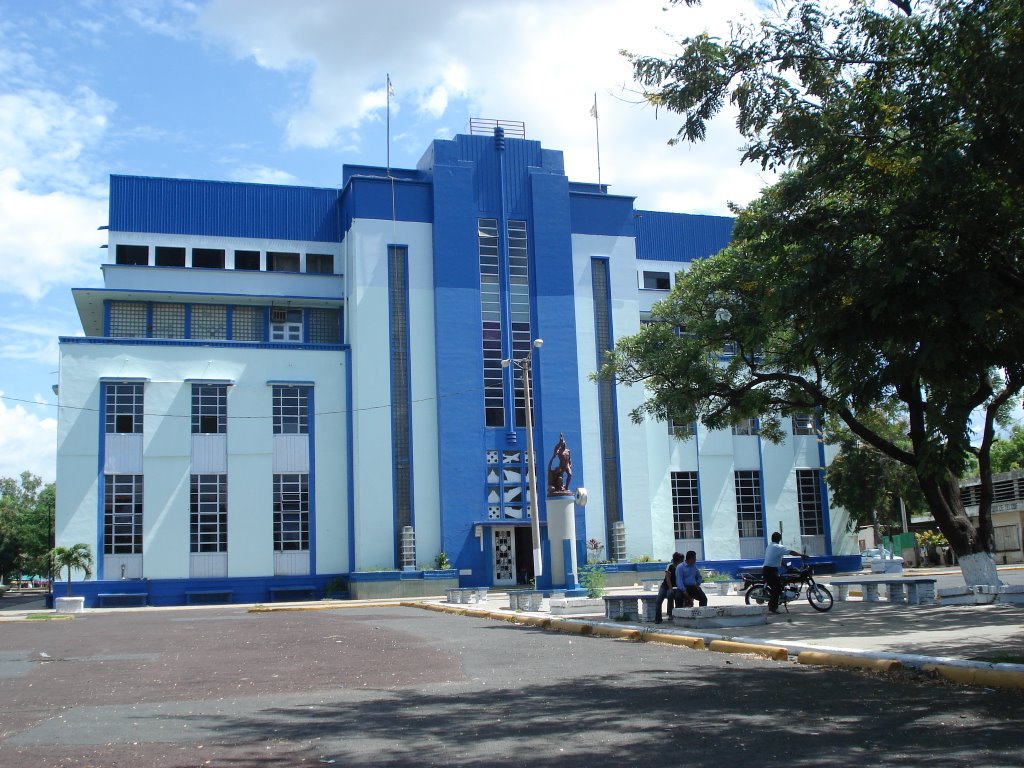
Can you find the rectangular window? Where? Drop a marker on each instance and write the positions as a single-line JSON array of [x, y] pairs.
[[136, 255], [291, 513], [748, 504], [808, 499], [745, 427], [209, 321], [803, 423], [685, 506], [124, 408], [681, 429], [208, 258], [247, 323], [168, 321], [291, 410], [320, 263], [208, 513], [166, 256], [286, 325], [324, 326], [209, 409], [122, 514], [490, 317], [279, 261], [247, 260], [657, 281], [128, 319]]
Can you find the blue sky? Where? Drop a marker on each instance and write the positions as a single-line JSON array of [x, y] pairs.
[[287, 92]]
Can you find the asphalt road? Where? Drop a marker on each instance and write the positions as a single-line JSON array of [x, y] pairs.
[[403, 686]]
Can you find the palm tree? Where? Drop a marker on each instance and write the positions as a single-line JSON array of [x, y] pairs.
[[77, 557]]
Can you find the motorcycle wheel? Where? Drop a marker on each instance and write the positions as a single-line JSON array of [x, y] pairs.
[[757, 594], [819, 597]]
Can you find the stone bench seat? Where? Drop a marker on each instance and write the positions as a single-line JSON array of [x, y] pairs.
[[720, 616], [525, 599], [466, 595], [292, 592], [633, 607], [910, 591]]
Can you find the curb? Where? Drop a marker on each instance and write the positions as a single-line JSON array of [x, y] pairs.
[[976, 673]]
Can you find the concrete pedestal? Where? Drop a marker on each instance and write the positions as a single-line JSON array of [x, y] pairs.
[[69, 604], [562, 538]]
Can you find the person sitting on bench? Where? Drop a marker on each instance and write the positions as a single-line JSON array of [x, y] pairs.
[[688, 579]]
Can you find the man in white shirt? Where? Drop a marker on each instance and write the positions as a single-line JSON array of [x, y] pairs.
[[773, 555]]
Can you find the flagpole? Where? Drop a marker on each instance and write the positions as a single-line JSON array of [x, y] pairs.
[[389, 122], [597, 131]]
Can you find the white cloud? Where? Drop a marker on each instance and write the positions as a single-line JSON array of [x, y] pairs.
[[536, 62], [261, 174], [28, 441]]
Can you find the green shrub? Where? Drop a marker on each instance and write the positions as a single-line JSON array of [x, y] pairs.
[[593, 580]]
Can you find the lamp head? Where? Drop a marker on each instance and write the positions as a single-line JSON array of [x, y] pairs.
[[538, 343]]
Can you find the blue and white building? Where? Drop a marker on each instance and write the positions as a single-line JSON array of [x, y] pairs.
[[281, 386]]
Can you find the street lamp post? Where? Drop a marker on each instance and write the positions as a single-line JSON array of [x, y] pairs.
[[524, 365]]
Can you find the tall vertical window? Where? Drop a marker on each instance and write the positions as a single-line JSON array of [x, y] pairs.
[[209, 513], [606, 399], [209, 409], [490, 318], [401, 395], [122, 514], [808, 499], [291, 512], [685, 506], [124, 407], [519, 306], [748, 504], [291, 410]]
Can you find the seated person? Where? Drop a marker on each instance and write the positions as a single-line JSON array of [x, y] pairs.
[[688, 579], [668, 588]]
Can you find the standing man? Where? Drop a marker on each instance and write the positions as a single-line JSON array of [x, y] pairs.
[[773, 555], [688, 579]]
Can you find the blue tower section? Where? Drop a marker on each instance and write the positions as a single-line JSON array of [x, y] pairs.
[[497, 178]]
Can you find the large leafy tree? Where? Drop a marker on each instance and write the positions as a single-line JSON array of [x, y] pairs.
[[1008, 452], [26, 523], [883, 269]]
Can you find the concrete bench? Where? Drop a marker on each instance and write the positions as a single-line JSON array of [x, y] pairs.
[[913, 591], [208, 596], [466, 595], [292, 592], [121, 599], [720, 616], [651, 585], [639, 607], [525, 599]]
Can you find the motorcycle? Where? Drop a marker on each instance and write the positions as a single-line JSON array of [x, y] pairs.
[[793, 582]]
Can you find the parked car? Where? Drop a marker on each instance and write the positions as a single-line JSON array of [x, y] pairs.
[[877, 553]]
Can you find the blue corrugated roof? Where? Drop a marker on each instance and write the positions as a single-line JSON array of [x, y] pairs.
[[223, 208], [680, 236]]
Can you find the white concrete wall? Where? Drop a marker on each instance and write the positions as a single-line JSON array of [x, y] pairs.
[[167, 448], [367, 327]]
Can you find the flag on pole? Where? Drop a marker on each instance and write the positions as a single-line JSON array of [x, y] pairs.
[[593, 109]]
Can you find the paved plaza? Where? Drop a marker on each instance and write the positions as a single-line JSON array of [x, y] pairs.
[[392, 685]]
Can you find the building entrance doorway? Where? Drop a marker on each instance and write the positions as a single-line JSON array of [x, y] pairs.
[[513, 556]]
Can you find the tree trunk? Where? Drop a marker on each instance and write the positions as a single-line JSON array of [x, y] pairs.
[[976, 561], [69, 581]]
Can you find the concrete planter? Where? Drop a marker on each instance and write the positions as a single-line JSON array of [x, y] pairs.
[[69, 604]]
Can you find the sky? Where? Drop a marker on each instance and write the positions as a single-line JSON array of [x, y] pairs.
[[288, 92]]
